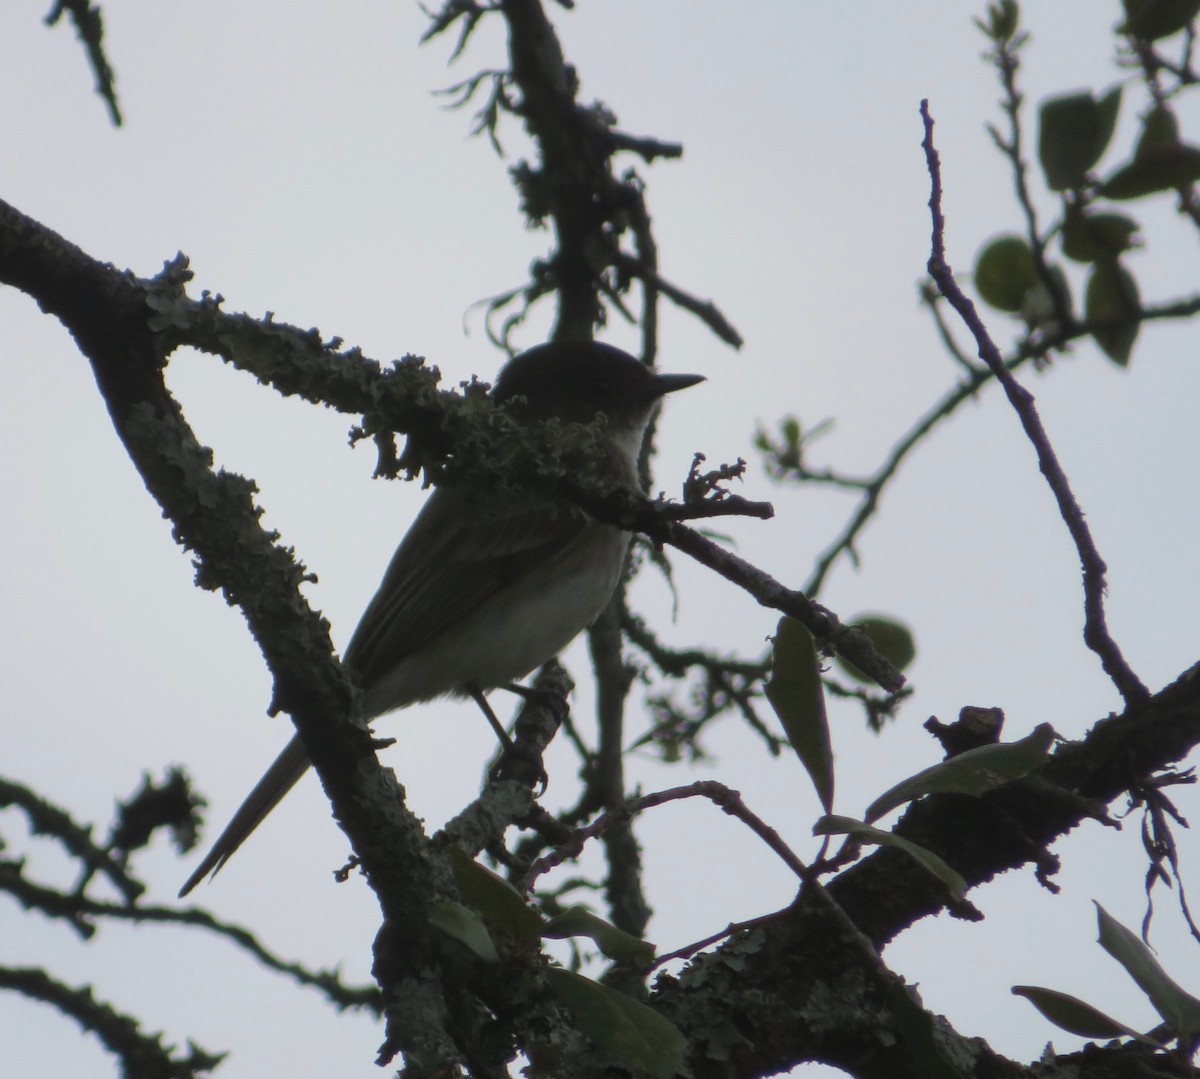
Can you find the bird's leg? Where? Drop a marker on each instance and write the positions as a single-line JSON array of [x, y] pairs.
[[477, 696], [518, 760]]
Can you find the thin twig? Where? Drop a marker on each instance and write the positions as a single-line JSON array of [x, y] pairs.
[[89, 27], [676, 662], [942, 409], [930, 297], [1007, 62], [47, 819], [688, 950], [729, 800], [966, 389], [705, 310], [82, 913], [1095, 631], [140, 1054]]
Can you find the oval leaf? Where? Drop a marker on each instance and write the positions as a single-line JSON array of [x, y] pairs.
[[1163, 168], [796, 694], [465, 926], [1159, 129], [892, 639], [492, 896], [630, 1032], [1004, 272], [1150, 20], [1178, 1008], [1074, 1015], [613, 942], [1074, 131], [974, 772], [1003, 18], [834, 825], [1112, 295], [1092, 237]]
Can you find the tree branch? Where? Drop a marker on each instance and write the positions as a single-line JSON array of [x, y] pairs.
[[1095, 633], [142, 1056], [89, 28], [794, 955]]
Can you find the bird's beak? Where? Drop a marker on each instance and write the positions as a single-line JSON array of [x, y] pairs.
[[664, 384]]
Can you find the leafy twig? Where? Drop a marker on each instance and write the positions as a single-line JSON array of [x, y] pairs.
[[966, 389], [1005, 56]]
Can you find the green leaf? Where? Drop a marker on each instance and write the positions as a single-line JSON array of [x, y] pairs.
[[1159, 129], [613, 942], [633, 1034], [1112, 294], [1091, 237], [1004, 272], [1074, 132], [835, 825], [465, 926], [892, 639], [1150, 20], [1178, 1008], [493, 897], [796, 694], [974, 772], [1074, 1015], [1160, 161], [1003, 19], [1164, 168]]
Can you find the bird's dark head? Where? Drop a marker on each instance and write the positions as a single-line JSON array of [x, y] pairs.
[[574, 381]]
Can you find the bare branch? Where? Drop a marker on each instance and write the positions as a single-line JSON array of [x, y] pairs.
[[142, 1056], [1095, 633], [89, 27], [729, 800], [705, 310]]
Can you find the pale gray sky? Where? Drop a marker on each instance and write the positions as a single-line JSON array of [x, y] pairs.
[[297, 156]]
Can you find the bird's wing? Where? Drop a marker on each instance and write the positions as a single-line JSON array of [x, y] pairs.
[[451, 560], [455, 556]]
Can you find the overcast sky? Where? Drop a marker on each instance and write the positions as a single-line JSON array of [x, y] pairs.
[[299, 158]]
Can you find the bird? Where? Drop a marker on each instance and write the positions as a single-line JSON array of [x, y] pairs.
[[485, 587]]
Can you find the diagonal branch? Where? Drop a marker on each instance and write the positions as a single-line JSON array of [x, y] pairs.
[[1095, 630], [887, 892], [142, 1055], [89, 26], [215, 517]]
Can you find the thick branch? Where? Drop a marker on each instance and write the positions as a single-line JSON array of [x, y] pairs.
[[215, 517], [110, 315], [778, 1014]]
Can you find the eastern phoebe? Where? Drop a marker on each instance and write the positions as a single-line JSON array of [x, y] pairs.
[[484, 588]]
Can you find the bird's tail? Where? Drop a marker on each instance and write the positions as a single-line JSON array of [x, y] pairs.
[[289, 766]]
